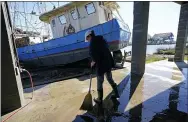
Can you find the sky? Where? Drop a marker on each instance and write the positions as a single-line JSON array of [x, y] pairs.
[[163, 16]]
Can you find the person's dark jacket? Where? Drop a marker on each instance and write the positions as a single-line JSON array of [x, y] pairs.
[[101, 55]]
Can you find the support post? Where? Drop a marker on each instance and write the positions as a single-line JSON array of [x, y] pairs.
[[12, 90], [182, 36], [139, 41]]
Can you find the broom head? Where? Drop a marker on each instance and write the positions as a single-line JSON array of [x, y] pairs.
[[87, 103]]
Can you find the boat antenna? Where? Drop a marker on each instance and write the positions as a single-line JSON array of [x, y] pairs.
[[25, 16], [14, 15]]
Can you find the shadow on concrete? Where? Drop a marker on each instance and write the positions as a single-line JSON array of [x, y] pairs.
[[158, 112], [42, 83], [98, 110], [86, 77], [171, 114], [181, 65], [29, 90], [155, 108]]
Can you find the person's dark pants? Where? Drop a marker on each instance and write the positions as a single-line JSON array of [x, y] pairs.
[[100, 80]]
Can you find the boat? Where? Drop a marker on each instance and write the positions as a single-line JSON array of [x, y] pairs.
[[69, 24]]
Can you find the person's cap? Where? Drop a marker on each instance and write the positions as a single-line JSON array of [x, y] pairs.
[[87, 34]]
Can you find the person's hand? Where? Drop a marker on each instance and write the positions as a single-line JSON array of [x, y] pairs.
[[92, 64]]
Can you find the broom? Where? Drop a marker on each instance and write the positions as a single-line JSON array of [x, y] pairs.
[[87, 103]]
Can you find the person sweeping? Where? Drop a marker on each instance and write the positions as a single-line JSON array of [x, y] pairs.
[[103, 61]]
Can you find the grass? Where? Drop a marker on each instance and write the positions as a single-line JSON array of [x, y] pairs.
[[170, 51], [166, 51], [186, 57], [154, 58]]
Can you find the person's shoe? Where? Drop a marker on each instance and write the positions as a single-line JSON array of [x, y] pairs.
[[115, 90], [100, 97]]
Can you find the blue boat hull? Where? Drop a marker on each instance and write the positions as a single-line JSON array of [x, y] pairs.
[[72, 48]]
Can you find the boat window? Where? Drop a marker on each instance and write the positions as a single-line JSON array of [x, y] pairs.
[[90, 8], [62, 19], [53, 23], [74, 14]]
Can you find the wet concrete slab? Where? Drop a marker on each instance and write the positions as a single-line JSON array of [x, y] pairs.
[[155, 97], [160, 95]]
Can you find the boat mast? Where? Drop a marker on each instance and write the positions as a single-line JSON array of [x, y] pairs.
[[27, 24]]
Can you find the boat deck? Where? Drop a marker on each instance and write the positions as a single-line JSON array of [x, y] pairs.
[[160, 95]]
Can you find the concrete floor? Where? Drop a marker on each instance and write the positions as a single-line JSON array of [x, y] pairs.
[[159, 96]]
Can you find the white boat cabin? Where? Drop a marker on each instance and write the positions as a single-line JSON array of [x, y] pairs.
[[77, 16]]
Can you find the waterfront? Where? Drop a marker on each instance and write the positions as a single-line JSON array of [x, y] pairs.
[[152, 48]]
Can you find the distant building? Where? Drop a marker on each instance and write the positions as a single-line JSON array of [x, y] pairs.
[[163, 38]]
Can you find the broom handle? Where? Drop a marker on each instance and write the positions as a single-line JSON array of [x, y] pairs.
[[90, 83], [90, 80]]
